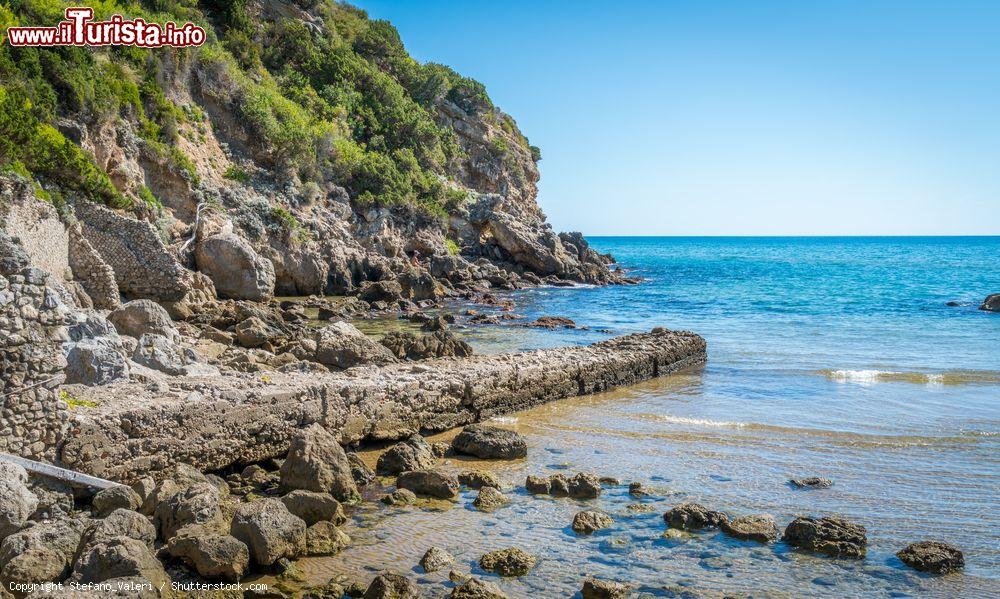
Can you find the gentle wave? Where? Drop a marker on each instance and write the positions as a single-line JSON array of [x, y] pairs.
[[951, 377]]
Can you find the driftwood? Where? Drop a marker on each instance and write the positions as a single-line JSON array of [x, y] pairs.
[[69, 477]]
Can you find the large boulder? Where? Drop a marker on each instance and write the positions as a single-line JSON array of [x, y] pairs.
[[317, 462], [380, 291], [932, 556], [269, 530], [237, 271], [508, 562], [95, 363], [413, 453], [211, 554], [832, 536], [407, 346], [159, 353], [392, 585], [119, 523], [120, 558], [490, 442], [198, 503], [433, 483], [991, 303], [693, 516], [138, 317], [756, 527], [254, 332], [314, 507], [17, 502], [43, 552], [112, 498], [343, 345]]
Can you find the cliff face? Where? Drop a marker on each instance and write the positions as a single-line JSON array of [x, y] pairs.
[[301, 141]]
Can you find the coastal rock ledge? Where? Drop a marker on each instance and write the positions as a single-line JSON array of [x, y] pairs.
[[215, 422]]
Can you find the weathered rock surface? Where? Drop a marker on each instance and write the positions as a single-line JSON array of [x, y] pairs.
[[435, 559], [241, 420], [475, 588], [490, 442], [991, 303], [433, 483], [811, 482], [477, 479], [508, 562], [119, 496], [399, 497], [439, 344], [832, 536], [317, 462], [489, 499], [590, 521], [269, 530], [235, 268], [392, 585], [138, 317], [211, 554], [360, 471], [413, 453], [324, 538], [120, 523], [693, 516], [314, 507], [757, 527], [41, 553], [594, 588], [932, 556], [198, 503], [343, 346], [121, 557], [17, 502]]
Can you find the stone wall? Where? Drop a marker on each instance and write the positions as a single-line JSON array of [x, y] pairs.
[[96, 276], [142, 265], [32, 416], [244, 418], [36, 225]]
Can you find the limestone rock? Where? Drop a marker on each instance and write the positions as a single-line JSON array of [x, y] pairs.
[[832, 536], [237, 271], [317, 462], [343, 346], [121, 557], [413, 453], [324, 538], [198, 503], [380, 291], [436, 559], [594, 588], [693, 516], [392, 585], [589, 521], [269, 530], [119, 523], [138, 317], [439, 344], [360, 471], [314, 507], [489, 499], [95, 363], [490, 442], [757, 527], [399, 497], [211, 554], [508, 562], [584, 486], [477, 479], [112, 498], [811, 482], [475, 588], [932, 556], [17, 502], [429, 482], [43, 552]]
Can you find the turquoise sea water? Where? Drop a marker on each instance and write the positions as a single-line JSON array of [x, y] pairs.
[[828, 357]]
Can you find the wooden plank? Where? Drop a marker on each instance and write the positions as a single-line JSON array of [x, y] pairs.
[[69, 477]]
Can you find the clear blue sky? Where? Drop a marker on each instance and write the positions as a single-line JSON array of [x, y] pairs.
[[739, 117]]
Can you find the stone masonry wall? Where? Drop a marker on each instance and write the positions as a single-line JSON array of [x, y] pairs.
[[96, 276], [32, 416], [142, 265]]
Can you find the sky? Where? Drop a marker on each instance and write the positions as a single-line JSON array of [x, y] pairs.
[[688, 117]]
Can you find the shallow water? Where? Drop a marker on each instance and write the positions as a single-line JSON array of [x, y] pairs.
[[829, 357]]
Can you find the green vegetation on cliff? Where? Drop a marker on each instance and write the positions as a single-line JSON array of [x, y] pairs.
[[324, 94]]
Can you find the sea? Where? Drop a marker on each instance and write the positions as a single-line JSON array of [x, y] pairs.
[[862, 360]]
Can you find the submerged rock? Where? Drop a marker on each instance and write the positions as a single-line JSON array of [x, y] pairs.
[[477, 479], [436, 559], [475, 588], [832, 536], [552, 322], [932, 556], [490, 442], [594, 588], [392, 585], [412, 454], [991, 303], [811, 482], [399, 497], [429, 482], [324, 538], [757, 527], [589, 521], [317, 462], [489, 499], [538, 485], [693, 516], [508, 562], [362, 474], [584, 486]]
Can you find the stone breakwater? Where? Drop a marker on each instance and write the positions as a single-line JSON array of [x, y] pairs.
[[213, 423]]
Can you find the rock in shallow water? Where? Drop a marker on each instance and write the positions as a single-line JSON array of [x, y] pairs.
[[832, 536], [508, 562], [757, 527], [392, 585], [489, 499], [589, 521], [433, 483], [932, 556], [693, 516], [317, 462], [412, 454], [436, 559], [594, 588], [477, 479], [477, 589], [490, 442], [991, 303], [314, 507], [399, 497], [269, 530], [811, 482]]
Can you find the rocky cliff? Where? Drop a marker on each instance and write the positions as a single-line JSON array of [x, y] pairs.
[[300, 151]]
